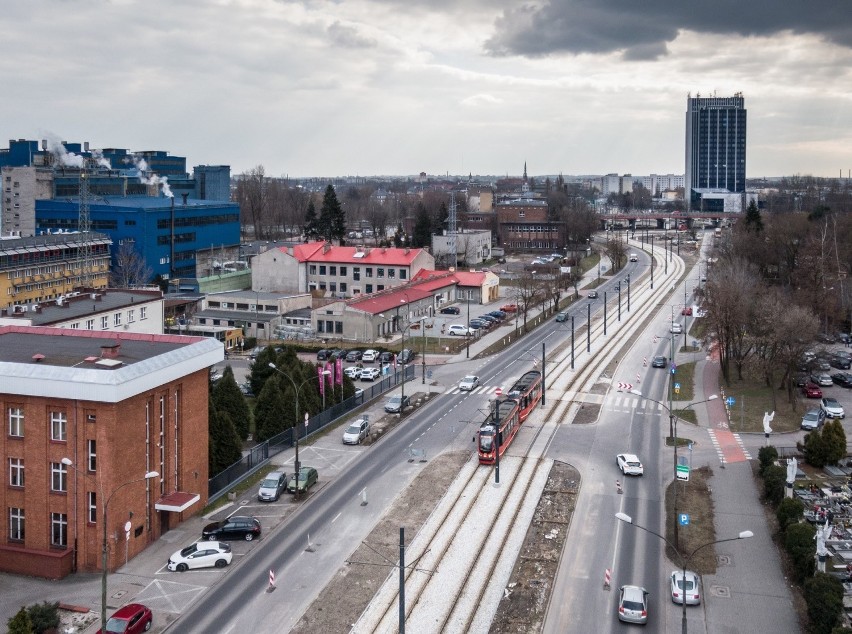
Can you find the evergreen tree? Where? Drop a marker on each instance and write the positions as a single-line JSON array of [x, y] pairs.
[[225, 447], [44, 616], [824, 596], [753, 221], [441, 220], [422, 235], [20, 623], [834, 441], [332, 219], [311, 228], [271, 409], [228, 398]]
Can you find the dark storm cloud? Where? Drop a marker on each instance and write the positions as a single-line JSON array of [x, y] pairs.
[[641, 29]]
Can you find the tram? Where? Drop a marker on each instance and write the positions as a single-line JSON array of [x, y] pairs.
[[507, 416], [527, 391]]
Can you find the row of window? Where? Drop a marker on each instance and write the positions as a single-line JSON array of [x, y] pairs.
[[530, 228], [198, 221], [58, 524], [58, 424], [58, 471], [116, 319], [343, 271]]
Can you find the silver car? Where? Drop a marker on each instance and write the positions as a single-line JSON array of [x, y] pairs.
[[691, 589], [272, 486], [356, 432], [633, 605]]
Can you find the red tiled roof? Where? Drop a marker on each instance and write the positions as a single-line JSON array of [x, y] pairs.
[[389, 300], [462, 278], [313, 252]]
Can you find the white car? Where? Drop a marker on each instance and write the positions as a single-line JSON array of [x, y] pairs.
[[676, 328], [201, 555], [370, 356], [832, 408], [634, 257], [458, 329], [353, 372], [356, 432], [369, 374], [629, 464], [692, 589], [469, 382]]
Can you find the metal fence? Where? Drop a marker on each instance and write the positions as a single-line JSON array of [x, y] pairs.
[[260, 454]]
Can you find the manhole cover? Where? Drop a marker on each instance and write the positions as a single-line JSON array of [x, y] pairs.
[[723, 560], [723, 592]]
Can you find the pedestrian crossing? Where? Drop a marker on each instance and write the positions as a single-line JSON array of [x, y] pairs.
[[729, 446], [480, 389]]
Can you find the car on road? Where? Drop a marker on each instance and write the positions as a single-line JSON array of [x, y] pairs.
[[458, 329], [369, 374], [469, 382], [450, 310], [659, 361], [822, 379], [634, 257], [629, 464], [676, 328], [509, 308], [354, 355], [832, 408], [356, 432], [592, 295], [130, 619], [370, 356], [272, 486], [633, 604], [199, 555], [397, 403], [308, 477], [843, 379], [813, 419], [562, 316], [234, 527], [688, 587], [687, 310], [406, 355], [811, 390]]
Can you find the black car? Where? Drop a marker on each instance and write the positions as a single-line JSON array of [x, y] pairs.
[[450, 310], [406, 356], [843, 379], [659, 361], [337, 353], [234, 527], [489, 318], [499, 314], [354, 355], [323, 354], [386, 357], [841, 362], [476, 324]]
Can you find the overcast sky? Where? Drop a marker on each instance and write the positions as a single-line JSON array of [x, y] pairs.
[[361, 87]]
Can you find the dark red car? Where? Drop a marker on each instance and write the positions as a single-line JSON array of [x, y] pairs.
[[131, 619], [509, 308], [687, 311], [811, 390]]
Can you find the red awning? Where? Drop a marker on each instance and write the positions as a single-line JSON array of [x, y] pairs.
[[176, 502]]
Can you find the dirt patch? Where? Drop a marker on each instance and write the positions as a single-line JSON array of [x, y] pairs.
[[523, 607], [348, 594], [587, 414], [694, 498]]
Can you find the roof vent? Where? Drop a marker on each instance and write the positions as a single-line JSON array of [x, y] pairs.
[[38, 357], [110, 351]]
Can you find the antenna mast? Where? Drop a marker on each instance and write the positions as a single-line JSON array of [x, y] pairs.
[[452, 230], [84, 226]]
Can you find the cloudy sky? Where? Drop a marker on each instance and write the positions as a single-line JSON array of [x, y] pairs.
[[397, 87]]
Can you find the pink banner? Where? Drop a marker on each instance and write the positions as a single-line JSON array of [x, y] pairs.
[[329, 367], [321, 382], [339, 370]]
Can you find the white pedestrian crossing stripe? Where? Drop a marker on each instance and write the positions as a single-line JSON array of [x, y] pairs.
[[482, 389]]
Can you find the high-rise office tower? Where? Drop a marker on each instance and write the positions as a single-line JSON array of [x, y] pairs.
[[715, 145]]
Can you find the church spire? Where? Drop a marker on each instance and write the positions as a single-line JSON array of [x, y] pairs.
[[525, 171]]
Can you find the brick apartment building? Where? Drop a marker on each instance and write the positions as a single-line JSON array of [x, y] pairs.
[[117, 405]]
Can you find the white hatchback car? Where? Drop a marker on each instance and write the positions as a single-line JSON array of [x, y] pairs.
[[370, 356], [369, 374], [201, 555], [629, 464], [353, 372], [458, 329]]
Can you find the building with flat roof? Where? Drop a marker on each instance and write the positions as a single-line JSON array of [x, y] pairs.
[[115, 406]]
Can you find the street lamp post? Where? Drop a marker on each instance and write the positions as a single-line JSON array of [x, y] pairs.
[[683, 559], [297, 466], [652, 262], [104, 558]]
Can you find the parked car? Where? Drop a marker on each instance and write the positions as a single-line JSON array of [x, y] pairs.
[[406, 355], [686, 588], [386, 357], [256, 351], [659, 361], [234, 527], [450, 310], [322, 354], [811, 390], [821, 365], [369, 374], [458, 329], [509, 308], [813, 419], [629, 464], [560, 317], [841, 362], [397, 403], [475, 324], [353, 372], [489, 318], [592, 295], [356, 432], [272, 486], [633, 605], [843, 379], [469, 382], [354, 355], [199, 555], [337, 353], [308, 477], [801, 378], [822, 379], [499, 314], [370, 356], [130, 619], [832, 408]]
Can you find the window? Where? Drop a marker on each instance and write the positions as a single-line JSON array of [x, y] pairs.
[[90, 324], [75, 326], [92, 455], [131, 316], [322, 269], [369, 288], [16, 472], [368, 271], [332, 286], [58, 477], [92, 507], [403, 274], [342, 271], [143, 312], [343, 287], [332, 270], [58, 529], [380, 271], [116, 319], [16, 421], [312, 269], [391, 273], [338, 327], [356, 273], [104, 322], [16, 524], [58, 426], [380, 287]]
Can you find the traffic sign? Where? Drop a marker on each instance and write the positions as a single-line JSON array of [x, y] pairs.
[[677, 390], [682, 472], [498, 392], [730, 401], [677, 386], [683, 519]]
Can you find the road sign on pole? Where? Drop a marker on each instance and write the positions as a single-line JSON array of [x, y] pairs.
[[683, 519], [682, 472], [730, 401]]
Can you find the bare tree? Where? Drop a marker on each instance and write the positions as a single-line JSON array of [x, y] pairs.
[[130, 268], [616, 251], [530, 293], [251, 195]]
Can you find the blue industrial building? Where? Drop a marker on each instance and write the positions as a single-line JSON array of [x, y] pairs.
[[149, 222]]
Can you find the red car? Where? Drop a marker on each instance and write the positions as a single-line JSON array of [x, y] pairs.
[[687, 311], [131, 619], [509, 308], [811, 390]]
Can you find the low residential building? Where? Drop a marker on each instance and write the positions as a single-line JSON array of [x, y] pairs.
[[87, 415], [258, 314], [471, 248]]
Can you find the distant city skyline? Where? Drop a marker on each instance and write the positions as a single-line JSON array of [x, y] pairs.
[[382, 87]]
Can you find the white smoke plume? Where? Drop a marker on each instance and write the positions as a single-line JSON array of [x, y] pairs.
[[153, 179], [66, 158], [99, 158]]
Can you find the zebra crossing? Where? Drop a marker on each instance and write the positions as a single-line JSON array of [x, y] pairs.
[[480, 389]]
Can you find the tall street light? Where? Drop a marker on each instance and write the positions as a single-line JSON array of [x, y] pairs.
[[683, 559], [673, 432], [296, 389], [151, 474]]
